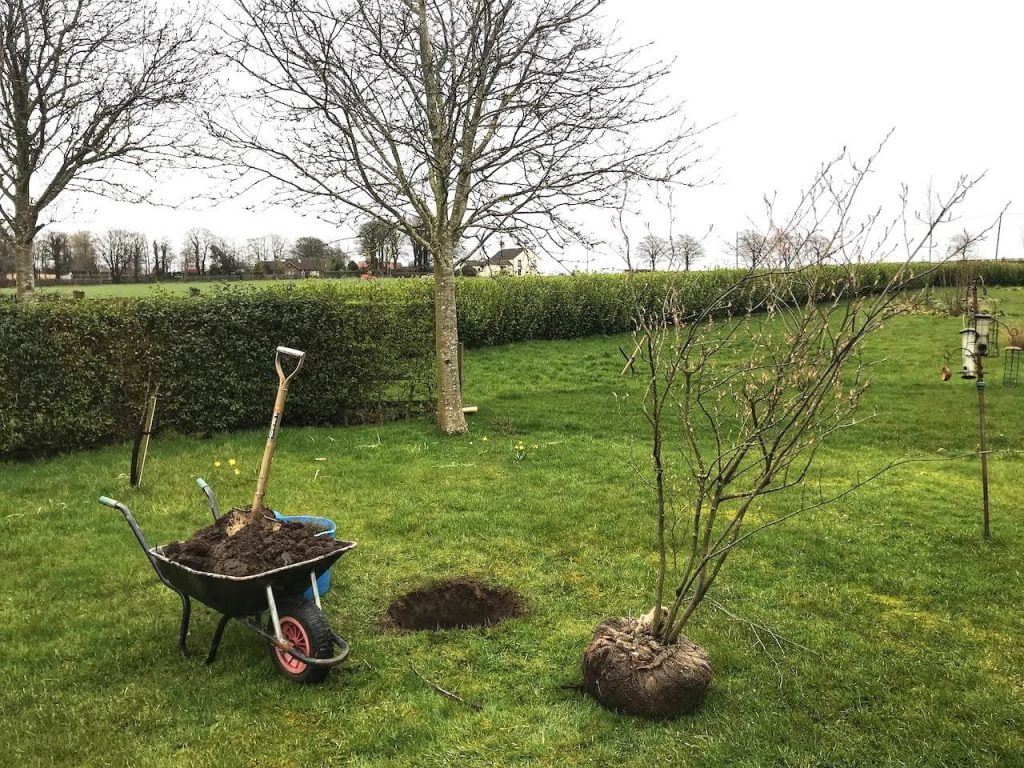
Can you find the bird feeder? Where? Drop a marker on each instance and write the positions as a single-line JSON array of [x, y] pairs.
[[983, 326], [968, 341]]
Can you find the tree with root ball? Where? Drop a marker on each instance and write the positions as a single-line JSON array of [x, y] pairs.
[[739, 395]]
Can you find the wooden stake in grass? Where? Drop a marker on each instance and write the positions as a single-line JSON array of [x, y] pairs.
[[142, 441], [243, 518]]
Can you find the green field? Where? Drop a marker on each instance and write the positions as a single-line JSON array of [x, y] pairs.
[[169, 286], [903, 629]]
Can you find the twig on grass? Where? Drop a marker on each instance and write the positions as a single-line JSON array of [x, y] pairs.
[[454, 696], [758, 628]]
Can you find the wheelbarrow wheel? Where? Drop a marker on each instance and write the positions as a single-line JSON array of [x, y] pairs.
[[306, 628]]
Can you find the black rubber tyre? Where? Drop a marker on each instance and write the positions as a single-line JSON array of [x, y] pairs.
[[305, 625]]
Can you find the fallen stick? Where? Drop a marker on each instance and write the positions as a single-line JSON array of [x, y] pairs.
[[472, 705]]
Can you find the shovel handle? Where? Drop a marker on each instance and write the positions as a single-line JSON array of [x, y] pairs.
[[275, 422], [280, 371]]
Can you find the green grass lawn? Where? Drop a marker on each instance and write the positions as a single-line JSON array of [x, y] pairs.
[[907, 627]]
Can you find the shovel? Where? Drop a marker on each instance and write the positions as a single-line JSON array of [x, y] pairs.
[[275, 425]]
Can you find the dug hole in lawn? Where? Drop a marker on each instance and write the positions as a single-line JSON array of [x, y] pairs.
[[460, 603]]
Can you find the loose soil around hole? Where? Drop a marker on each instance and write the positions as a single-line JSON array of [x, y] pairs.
[[455, 604], [254, 549]]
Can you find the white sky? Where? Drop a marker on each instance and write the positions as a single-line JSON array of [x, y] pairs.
[[792, 82]]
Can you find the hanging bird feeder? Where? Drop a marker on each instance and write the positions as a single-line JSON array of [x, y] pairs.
[[968, 341]]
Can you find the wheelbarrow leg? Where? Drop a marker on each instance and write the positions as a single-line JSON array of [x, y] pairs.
[[217, 635], [186, 613]]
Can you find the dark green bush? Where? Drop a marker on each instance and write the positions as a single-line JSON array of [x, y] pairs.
[[74, 373]]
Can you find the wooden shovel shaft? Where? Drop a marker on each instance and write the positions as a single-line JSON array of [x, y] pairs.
[[268, 451], [275, 425]]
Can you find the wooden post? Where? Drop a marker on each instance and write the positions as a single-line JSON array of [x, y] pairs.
[[999, 231]]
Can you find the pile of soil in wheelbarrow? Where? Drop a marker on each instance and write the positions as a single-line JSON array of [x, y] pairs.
[[455, 604], [253, 549]]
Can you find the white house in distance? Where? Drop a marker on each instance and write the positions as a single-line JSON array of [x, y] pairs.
[[507, 261]]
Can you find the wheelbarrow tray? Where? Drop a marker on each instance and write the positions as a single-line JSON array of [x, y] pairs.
[[244, 595]]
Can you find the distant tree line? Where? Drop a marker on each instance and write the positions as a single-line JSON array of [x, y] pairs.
[[125, 255]]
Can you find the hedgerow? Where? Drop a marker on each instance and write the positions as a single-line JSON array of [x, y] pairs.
[[73, 373], [508, 309]]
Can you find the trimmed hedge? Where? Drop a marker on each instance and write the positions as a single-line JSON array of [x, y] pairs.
[[74, 373], [507, 309]]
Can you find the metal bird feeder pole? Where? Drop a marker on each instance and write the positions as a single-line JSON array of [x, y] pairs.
[[974, 346]]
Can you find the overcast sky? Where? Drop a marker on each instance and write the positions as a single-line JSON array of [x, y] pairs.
[[789, 84]]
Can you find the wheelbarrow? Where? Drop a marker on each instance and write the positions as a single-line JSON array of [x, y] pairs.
[[298, 636]]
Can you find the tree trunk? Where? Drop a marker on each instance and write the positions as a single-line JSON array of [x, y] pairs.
[[23, 237], [450, 418], [25, 274]]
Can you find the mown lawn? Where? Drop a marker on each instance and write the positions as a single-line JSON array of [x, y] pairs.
[[905, 629]]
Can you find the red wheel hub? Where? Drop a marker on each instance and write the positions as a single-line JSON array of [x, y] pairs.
[[294, 633]]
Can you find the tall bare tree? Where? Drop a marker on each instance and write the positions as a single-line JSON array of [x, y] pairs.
[[83, 252], [962, 246], [120, 250], [196, 248], [685, 251], [447, 117], [55, 253], [87, 88], [751, 248], [163, 256], [653, 252], [378, 240], [6, 260]]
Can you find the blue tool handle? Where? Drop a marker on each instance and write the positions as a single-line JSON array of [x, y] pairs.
[[202, 483], [108, 502]]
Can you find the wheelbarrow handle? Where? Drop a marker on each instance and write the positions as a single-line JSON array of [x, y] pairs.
[[210, 498], [114, 504], [139, 536]]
